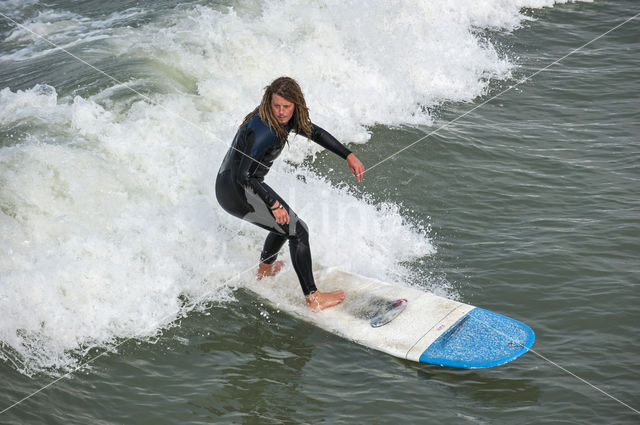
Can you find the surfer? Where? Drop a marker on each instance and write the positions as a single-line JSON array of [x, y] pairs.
[[242, 192]]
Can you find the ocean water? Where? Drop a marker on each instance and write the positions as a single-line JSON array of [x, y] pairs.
[[123, 284]]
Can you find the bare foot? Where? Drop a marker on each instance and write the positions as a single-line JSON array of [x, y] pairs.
[[266, 270], [321, 300]]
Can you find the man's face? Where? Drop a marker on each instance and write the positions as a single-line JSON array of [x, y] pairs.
[[282, 108]]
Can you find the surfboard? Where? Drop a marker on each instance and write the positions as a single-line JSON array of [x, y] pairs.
[[405, 322]]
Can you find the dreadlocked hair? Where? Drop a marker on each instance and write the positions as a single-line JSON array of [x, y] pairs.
[[289, 89]]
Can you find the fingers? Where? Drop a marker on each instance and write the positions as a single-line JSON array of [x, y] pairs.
[[281, 215], [285, 217], [358, 172], [357, 168]]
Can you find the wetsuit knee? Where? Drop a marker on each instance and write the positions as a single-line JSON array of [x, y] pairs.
[[272, 246]]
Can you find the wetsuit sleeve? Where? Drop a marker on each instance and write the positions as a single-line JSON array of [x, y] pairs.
[[327, 141], [245, 173]]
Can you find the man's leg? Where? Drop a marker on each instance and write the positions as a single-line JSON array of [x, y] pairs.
[[268, 265]]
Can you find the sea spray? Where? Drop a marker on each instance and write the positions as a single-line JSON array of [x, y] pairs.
[[108, 221]]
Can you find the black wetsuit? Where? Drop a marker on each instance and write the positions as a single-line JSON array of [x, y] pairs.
[[241, 191]]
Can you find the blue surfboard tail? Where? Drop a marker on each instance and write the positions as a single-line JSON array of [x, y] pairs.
[[480, 339]]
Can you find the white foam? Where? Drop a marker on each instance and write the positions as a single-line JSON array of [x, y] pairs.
[[51, 30], [107, 212]]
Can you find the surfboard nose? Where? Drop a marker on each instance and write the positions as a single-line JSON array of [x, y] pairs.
[[480, 339]]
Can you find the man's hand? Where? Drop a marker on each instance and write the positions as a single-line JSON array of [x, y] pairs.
[[357, 168], [280, 213]]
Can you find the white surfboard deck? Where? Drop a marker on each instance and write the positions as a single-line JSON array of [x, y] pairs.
[[431, 329]]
